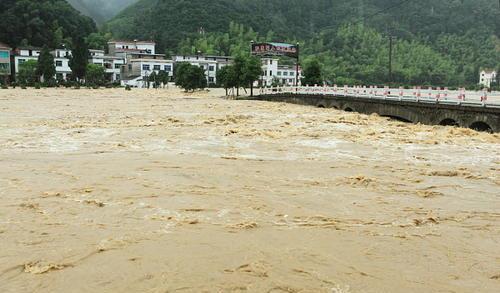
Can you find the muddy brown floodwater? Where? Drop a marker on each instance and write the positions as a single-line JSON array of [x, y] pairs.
[[161, 191]]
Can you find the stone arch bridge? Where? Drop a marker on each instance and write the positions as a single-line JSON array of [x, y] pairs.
[[478, 116]]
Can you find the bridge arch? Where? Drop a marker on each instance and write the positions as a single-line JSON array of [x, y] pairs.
[[449, 122], [481, 126], [348, 109], [321, 105], [397, 118]]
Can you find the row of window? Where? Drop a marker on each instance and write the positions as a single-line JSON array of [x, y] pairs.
[[147, 67], [286, 73]]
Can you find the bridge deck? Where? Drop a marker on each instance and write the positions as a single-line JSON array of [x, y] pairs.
[[444, 110]]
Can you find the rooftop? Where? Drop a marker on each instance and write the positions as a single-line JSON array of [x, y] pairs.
[[132, 42], [4, 46]]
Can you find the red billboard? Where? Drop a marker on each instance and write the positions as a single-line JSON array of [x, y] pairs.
[[275, 49]]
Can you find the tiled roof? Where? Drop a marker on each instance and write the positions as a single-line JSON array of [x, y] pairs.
[[4, 46], [131, 42]]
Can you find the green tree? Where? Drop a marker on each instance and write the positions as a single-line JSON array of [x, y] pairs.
[[153, 78], [251, 71], [227, 77], [46, 68], [98, 41], [312, 73], [27, 74], [190, 77], [95, 75], [163, 77], [79, 59]]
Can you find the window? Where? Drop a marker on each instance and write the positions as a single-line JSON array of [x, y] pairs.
[[21, 61], [271, 62], [59, 63], [157, 67], [270, 73], [211, 68], [285, 73], [118, 66], [4, 54], [146, 67], [279, 72], [130, 67], [4, 67], [292, 73], [168, 68], [211, 79]]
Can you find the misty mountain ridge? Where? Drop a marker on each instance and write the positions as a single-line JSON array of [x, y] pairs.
[[101, 10]]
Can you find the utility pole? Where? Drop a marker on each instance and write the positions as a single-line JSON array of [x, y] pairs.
[[390, 58], [251, 54], [297, 67]]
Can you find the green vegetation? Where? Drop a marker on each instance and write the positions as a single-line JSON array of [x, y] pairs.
[[190, 77], [95, 75], [437, 42], [41, 22], [243, 73], [79, 59], [27, 75], [46, 68], [312, 73]]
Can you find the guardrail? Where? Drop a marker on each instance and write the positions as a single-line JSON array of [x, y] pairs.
[[417, 94]]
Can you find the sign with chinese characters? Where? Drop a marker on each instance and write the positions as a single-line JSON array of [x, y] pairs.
[[275, 49]]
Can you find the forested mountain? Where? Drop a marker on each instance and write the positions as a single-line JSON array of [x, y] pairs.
[[41, 22], [440, 42], [101, 10], [172, 20]]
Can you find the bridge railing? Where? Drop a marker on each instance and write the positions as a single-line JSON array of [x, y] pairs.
[[416, 94]]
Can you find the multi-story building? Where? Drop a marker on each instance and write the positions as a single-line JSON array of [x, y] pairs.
[[24, 54], [211, 64], [112, 64], [136, 71], [5, 68], [273, 73], [122, 48], [61, 61], [487, 77]]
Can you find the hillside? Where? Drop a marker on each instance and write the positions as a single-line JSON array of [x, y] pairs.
[[438, 42], [41, 22], [169, 21], [101, 10]]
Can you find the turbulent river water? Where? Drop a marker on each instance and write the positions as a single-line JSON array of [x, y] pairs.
[[163, 191]]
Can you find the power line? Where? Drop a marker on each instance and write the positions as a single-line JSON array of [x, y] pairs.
[[374, 14], [385, 9]]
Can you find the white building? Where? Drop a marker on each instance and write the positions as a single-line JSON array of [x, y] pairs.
[[112, 64], [122, 48], [61, 60], [211, 64], [487, 77], [24, 54], [272, 72], [135, 72]]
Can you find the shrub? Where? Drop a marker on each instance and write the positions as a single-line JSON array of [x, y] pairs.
[[37, 86], [128, 88]]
